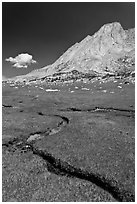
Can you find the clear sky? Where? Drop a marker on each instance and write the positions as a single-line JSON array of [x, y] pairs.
[[46, 30]]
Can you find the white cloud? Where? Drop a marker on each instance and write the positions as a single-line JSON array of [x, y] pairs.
[[21, 61]]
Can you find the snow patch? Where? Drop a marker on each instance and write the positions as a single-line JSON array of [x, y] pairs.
[[48, 90]]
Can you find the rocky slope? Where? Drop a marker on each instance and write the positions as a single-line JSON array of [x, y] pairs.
[[110, 50]]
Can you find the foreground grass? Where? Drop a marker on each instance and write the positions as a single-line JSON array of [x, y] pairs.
[[100, 143]]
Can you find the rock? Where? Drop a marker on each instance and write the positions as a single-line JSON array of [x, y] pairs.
[[33, 137], [119, 87]]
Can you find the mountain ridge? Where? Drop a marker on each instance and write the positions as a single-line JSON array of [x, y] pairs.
[[105, 51]]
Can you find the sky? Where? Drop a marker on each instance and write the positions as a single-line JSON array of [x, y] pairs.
[[46, 30]]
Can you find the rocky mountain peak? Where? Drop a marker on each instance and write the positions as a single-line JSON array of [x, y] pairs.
[[110, 36], [113, 30], [97, 51], [105, 51]]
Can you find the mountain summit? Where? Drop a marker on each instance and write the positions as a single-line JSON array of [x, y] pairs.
[[111, 49]]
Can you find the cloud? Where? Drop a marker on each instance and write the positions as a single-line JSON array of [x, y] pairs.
[[21, 61]]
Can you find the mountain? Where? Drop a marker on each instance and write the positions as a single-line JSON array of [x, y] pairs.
[[110, 50]]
